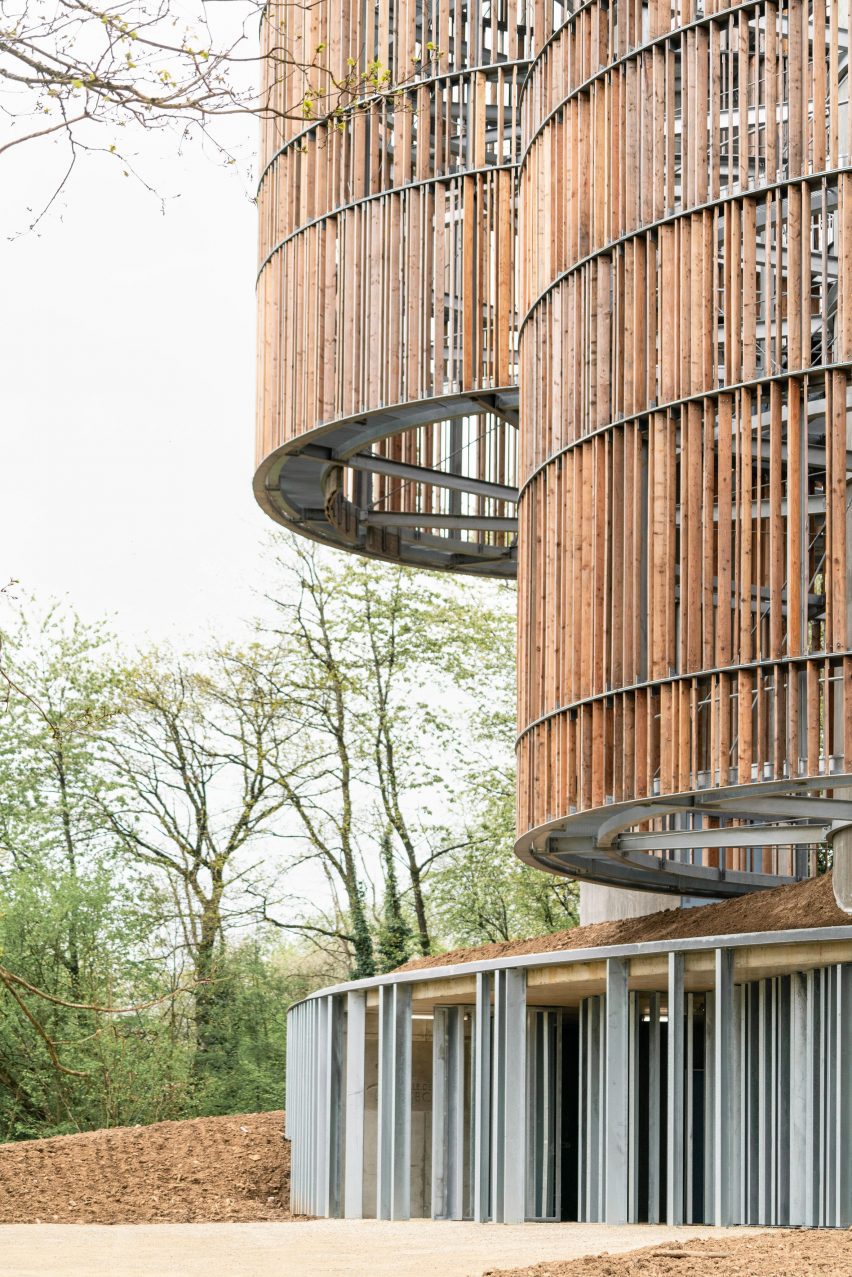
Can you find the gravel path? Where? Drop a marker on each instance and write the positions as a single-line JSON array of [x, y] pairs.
[[315, 1248]]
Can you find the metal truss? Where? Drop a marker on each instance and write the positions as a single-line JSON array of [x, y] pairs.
[[302, 486]]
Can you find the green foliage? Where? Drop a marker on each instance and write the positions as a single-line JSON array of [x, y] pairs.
[[483, 893], [81, 937], [364, 961], [254, 986], [155, 811], [393, 939]]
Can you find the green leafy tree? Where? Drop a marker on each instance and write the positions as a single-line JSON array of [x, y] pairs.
[[483, 893], [203, 761], [384, 662], [90, 77], [245, 1064], [74, 923], [393, 941]]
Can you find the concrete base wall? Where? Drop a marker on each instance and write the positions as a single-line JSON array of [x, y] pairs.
[[610, 904], [421, 1122]]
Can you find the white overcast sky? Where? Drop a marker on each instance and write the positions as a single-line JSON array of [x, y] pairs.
[[127, 392], [127, 353]]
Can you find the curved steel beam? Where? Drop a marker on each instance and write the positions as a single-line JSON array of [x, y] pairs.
[[603, 845], [291, 485]]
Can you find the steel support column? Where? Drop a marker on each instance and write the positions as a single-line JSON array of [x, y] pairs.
[[508, 1163], [448, 1113], [639, 1109], [393, 1188], [784, 1082], [617, 1092], [843, 1146], [810, 1150], [709, 1103], [654, 1106], [356, 1042], [592, 1144], [331, 1107], [481, 1154], [798, 1098], [675, 1106], [725, 1169]]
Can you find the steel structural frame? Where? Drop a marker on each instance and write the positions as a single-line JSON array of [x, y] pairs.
[[775, 1108]]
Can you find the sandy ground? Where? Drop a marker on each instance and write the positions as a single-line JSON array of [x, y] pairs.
[[791, 1253], [314, 1248], [805, 904], [204, 1170]]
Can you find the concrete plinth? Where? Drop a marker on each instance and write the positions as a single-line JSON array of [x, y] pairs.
[[609, 904]]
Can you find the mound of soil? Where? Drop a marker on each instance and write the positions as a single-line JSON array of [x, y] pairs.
[[789, 1254], [206, 1169], [804, 904]]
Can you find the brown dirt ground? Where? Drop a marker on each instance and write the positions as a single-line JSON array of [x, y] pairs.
[[778, 1254], [805, 904], [213, 1169]]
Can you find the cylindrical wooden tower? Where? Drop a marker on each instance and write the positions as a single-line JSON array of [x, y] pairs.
[[387, 418], [685, 310], [673, 282], [673, 296]]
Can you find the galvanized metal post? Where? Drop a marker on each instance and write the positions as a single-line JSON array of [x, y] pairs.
[[498, 1097], [709, 1103], [675, 1106], [688, 1110], [514, 1160], [765, 1092], [843, 1168], [455, 1115], [332, 1102], [617, 1091], [812, 1099], [828, 1049], [592, 1113], [393, 1188], [448, 1113], [481, 1158], [439, 1113], [725, 1169], [356, 1045], [654, 1101], [639, 1108], [798, 1100], [783, 1093], [508, 1161]]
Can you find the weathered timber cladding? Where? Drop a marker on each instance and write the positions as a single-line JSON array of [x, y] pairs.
[[386, 266], [685, 300]]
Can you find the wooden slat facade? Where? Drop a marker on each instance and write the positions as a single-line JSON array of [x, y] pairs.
[[634, 219], [685, 231], [386, 250]]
